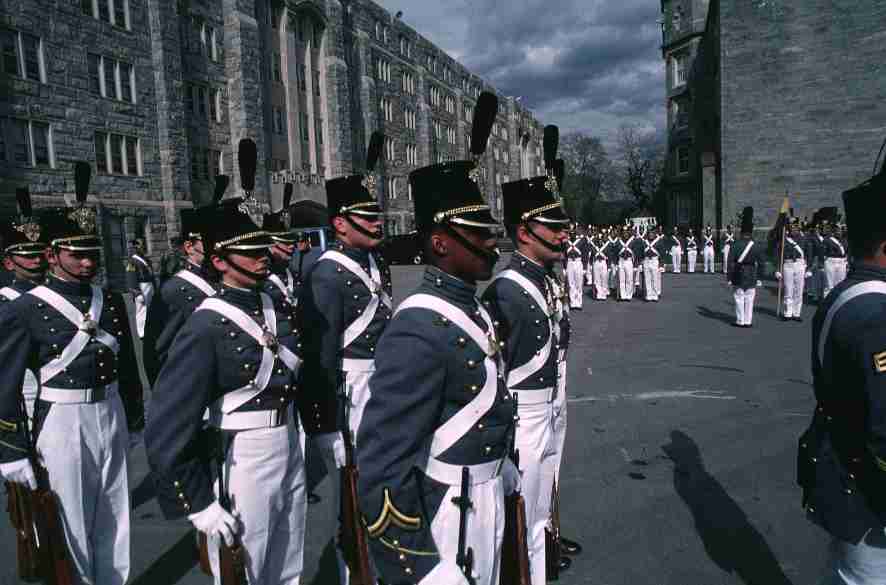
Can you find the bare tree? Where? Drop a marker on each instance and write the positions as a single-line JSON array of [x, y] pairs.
[[642, 162], [589, 173]]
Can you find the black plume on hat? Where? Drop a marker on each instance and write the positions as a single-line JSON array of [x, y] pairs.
[[287, 195], [551, 141], [246, 158], [376, 142], [23, 197], [484, 117], [747, 220], [221, 185], [82, 176]]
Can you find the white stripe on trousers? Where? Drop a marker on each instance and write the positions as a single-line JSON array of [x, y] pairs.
[[265, 478], [83, 447], [744, 305], [794, 280]]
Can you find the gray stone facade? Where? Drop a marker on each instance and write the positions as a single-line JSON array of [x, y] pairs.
[[787, 98], [155, 94]]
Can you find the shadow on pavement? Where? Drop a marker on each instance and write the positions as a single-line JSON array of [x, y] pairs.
[[143, 493], [730, 540], [327, 568], [172, 565], [767, 311], [716, 315]]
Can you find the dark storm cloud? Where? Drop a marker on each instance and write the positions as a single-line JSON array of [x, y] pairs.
[[588, 65]]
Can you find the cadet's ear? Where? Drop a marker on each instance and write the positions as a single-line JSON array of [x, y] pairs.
[[219, 263], [439, 244]]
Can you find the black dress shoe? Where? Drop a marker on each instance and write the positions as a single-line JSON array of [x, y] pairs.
[[786, 318], [798, 319], [569, 547], [313, 499], [565, 563]]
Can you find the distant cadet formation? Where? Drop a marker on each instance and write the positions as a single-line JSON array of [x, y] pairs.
[[626, 262], [442, 420]]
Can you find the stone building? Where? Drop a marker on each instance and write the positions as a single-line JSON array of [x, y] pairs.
[[786, 97], [155, 94]]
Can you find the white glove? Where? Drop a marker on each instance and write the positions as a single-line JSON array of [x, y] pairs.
[[662, 270], [445, 573], [510, 476], [808, 274], [19, 471], [759, 283], [778, 276], [135, 437], [333, 447], [215, 521]]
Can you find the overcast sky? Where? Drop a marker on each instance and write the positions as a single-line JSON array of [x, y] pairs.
[[588, 65]]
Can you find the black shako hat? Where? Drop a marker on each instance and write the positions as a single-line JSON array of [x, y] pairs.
[[278, 223], [24, 235], [193, 219], [355, 194], [747, 220], [74, 227], [306, 214], [865, 204], [538, 198], [449, 193]]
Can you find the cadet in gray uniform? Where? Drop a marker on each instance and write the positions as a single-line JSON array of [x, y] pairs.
[[794, 270], [236, 356], [182, 293], [89, 409], [728, 241], [280, 284], [140, 282], [524, 300], [746, 260], [24, 256], [434, 441], [841, 459], [344, 308]]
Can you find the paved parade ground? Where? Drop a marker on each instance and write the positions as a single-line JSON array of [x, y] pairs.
[[680, 459]]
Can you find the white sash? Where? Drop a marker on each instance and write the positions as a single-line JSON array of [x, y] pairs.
[[10, 293], [77, 344], [231, 401], [745, 251], [466, 418], [650, 246], [285, 288], [625, 248], [573, 247], [372, 281], [847, 295], [520, 373], [839, 245], [598, 251], [708, 241], [197, 281], [690, 243], [796, 247]]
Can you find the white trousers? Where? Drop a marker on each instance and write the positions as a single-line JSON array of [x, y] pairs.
[[613, 277], [600, 273], [794, 281], [265, 479], [560, 419], [29, 391], [708, 256], [834, 273], [726, 258], [575, 277], [692, 260], [534, 440], [588, 274], [83, 447], [625, 278], [857, 564], [651, 279], [485, 530], [357, 392], [744, 305], [142, 302], [676, 259]]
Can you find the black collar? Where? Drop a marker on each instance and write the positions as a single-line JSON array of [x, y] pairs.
[[242, 298], [64, 287], [530, 269], [449, 287]]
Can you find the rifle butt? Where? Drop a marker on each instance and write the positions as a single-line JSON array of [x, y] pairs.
[[515, 548], [203, 554], [20, 509], [232, 564], [55, 558]]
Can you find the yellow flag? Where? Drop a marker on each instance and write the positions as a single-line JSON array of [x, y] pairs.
[[785, 206]]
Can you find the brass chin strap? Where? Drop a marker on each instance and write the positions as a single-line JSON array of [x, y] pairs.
[[491, 258], [375, 236], [550, 246]]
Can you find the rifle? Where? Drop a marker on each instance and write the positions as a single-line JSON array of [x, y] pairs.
[[515, 548], [352, 536], [552, 537], [465, 557], [21, 516], [231, 559]]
